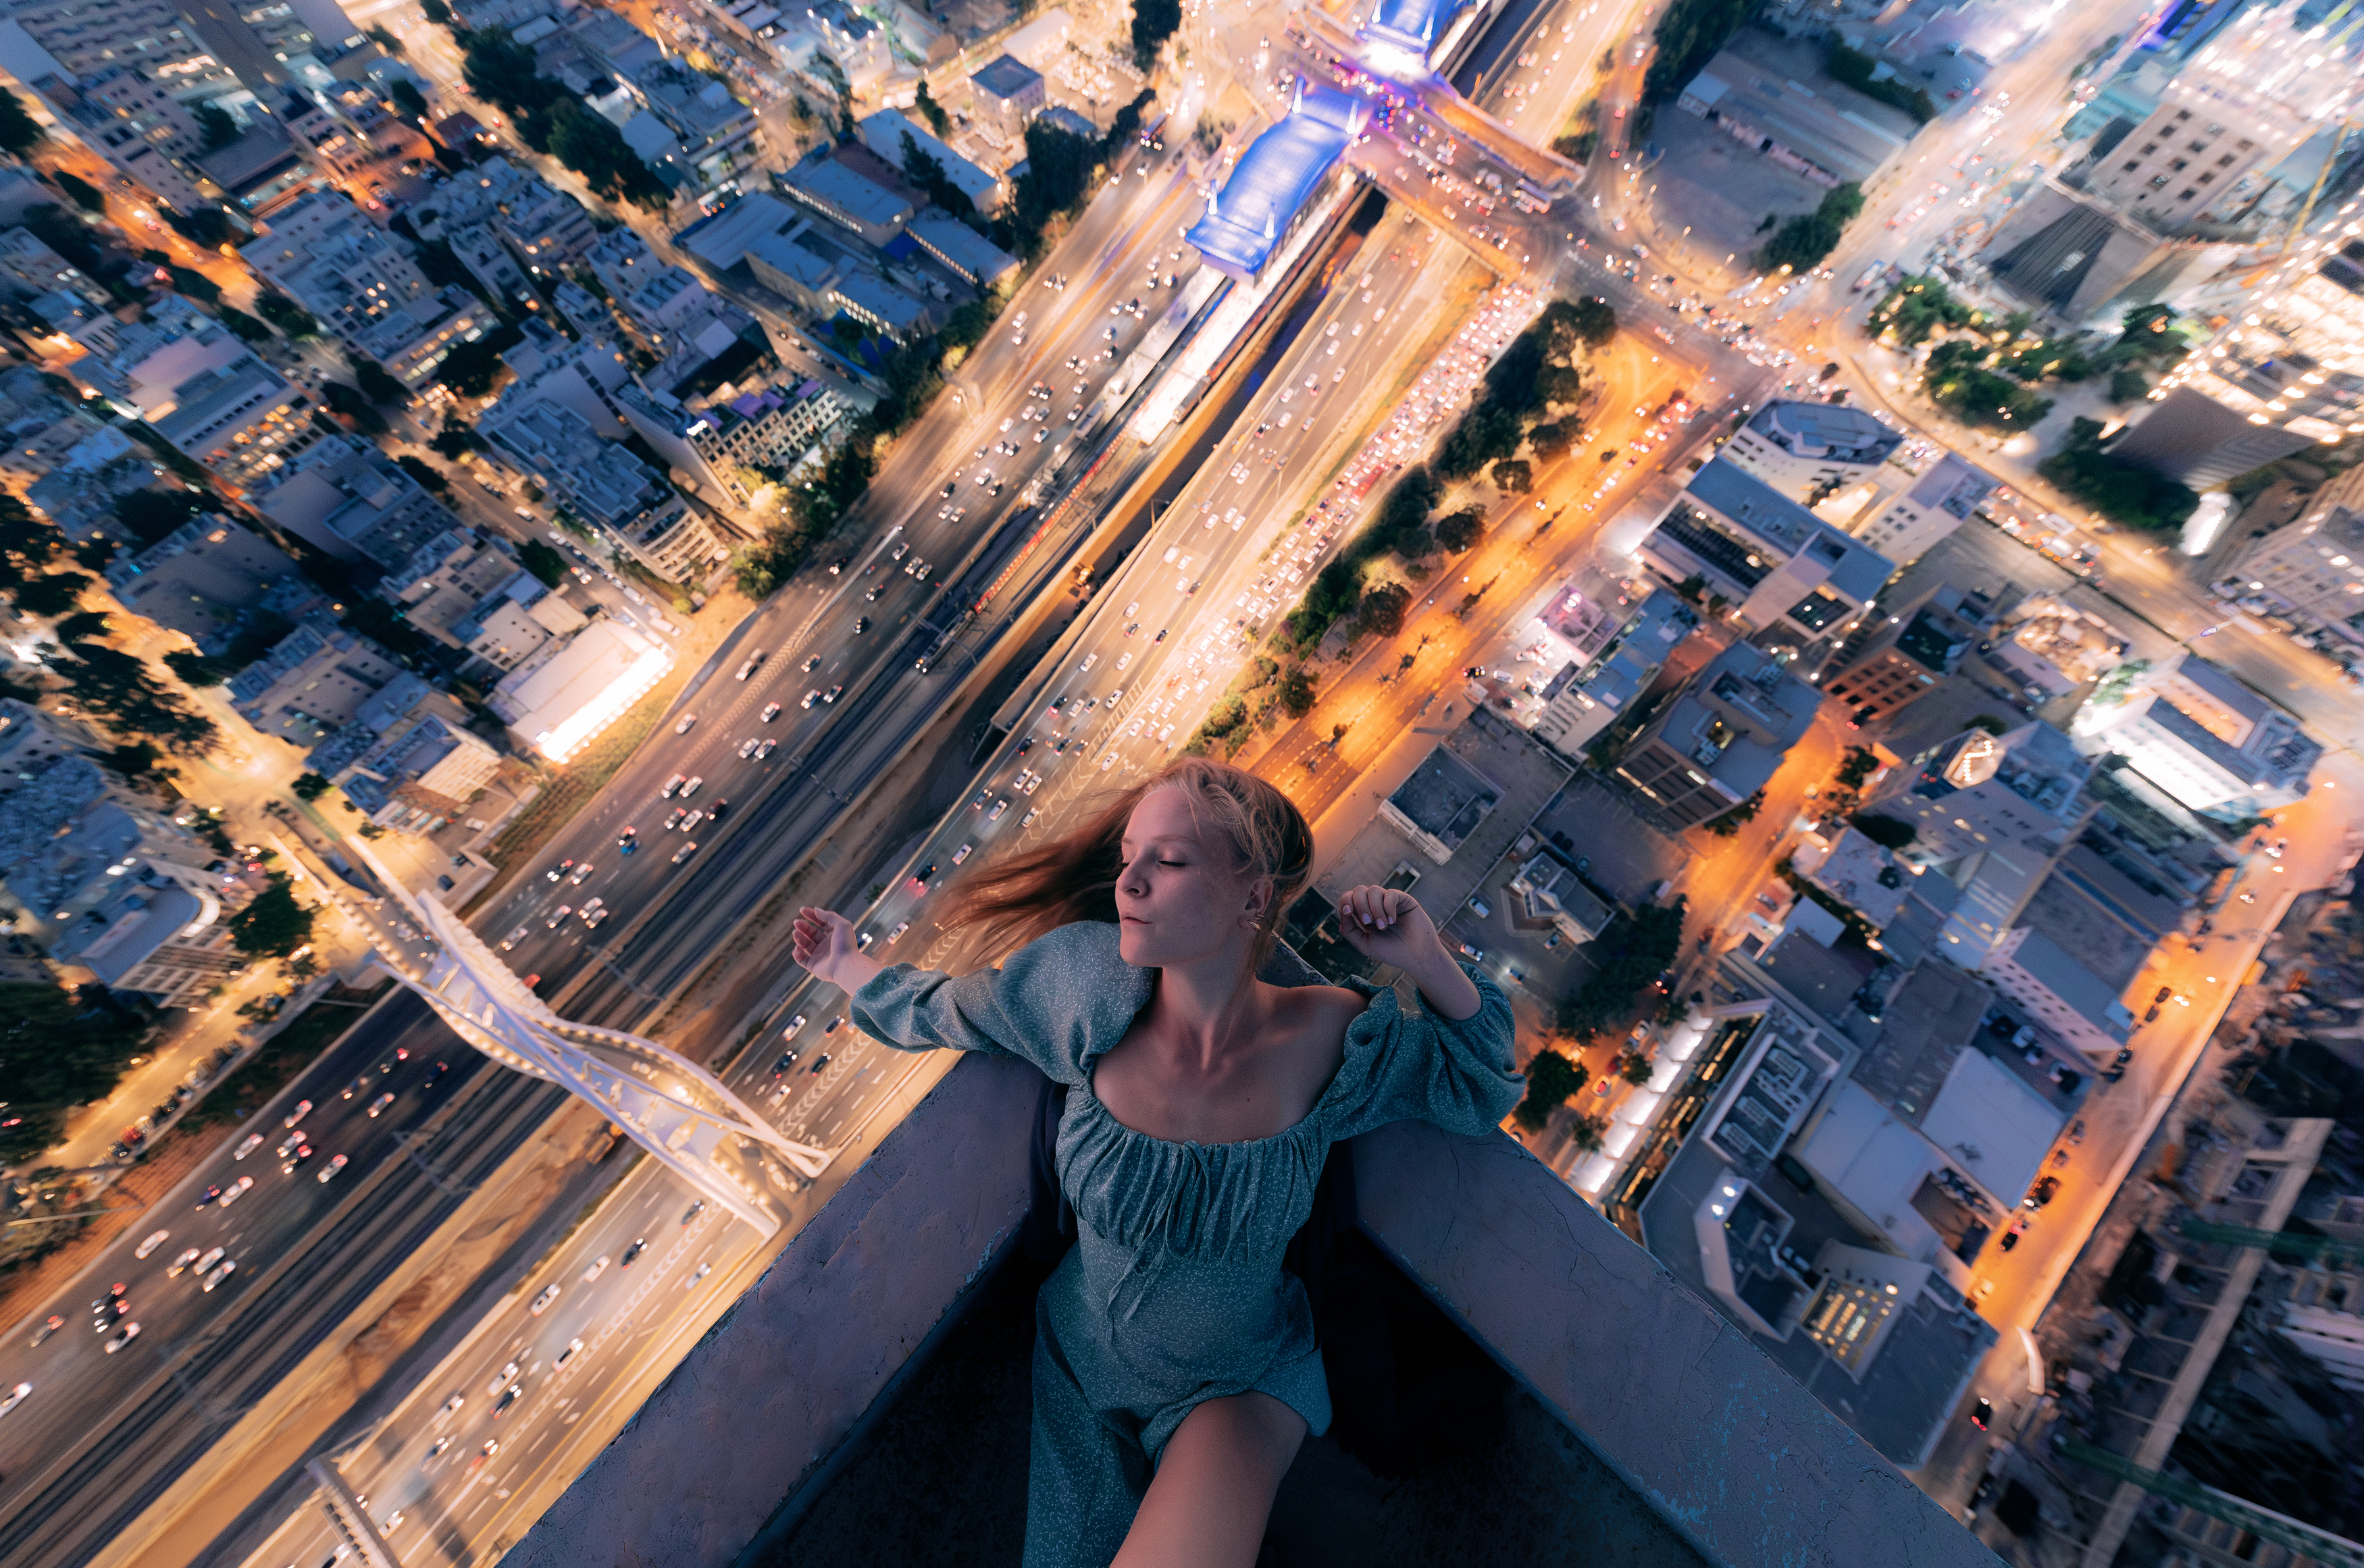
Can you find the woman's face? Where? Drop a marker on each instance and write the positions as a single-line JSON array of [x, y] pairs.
[[1180, 898]]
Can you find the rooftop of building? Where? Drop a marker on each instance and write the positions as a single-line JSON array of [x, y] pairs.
[[2066, 976], [883, 132], [888, 1391], [1846, 133], [1784, 528], [1446, 798], [1005, 76], [1838, 432], [834, 188]]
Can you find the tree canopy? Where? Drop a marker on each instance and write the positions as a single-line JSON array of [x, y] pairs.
[[57, 1050], [2121, 491], [1801, 242], [274, 924], [1647, 944], [1552, 1078], [19, 131]]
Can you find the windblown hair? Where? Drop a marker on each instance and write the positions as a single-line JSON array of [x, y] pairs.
[[1075, 878]]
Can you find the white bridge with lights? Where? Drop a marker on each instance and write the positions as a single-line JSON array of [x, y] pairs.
[[680, 1113]]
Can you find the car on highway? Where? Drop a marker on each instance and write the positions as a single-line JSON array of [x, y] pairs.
[[516, 937], [541, 1302], [1982, 1414], [501, 1378], [684, 852], [1000, 808], [765, 748], [812, 697], [793, 1025], [963, 853], [289, 1144], [629, 840], [747, 747], [672, 786], [690, 787], [289, 1164], [237, 1190], [840, 564], [833, 1025], [246, 1145], [227, 1268], [561, 868], [860, 625], [634, 1250], [686, 720], [122, 1336], [355, 1087], [771, 711], [158, 1238], [1031, 813], [15, 1398], [831, 694], [378, 1106], [780, 1068], [752, 662], [695, 1210], [303, 1109], [451, 1406], [581, 871], [211, 1193], [592, 918], [692, 820], [591, 910], [599, 1266], [818, 1062], [334, 1166], [180, 1263], [557, 916], [50, 1326], [674, 819], [919, 883], [573, 1347]]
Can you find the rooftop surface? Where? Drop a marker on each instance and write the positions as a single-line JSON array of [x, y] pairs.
[[1708, 1443], [1786, 528], [1271, 181], [1834, 430]]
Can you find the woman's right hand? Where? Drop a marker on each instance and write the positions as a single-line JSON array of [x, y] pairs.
[[824, 942]]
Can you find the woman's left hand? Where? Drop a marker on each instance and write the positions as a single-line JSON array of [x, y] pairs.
[[1388, 925]]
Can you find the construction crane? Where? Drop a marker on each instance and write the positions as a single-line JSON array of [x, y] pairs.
[[2321, 1546]]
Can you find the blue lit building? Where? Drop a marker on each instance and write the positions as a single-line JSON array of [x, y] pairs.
[[1274, 182]]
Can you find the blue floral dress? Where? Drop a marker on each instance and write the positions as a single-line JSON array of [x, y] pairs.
[[1174, 1291]]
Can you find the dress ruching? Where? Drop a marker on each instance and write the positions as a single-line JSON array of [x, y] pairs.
[[1173, 1293]]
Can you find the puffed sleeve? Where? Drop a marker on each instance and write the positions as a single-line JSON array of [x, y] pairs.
[[1059, 1001], [1404, 1066]]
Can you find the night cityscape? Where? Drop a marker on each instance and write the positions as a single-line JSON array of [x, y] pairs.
[[1822, 541]]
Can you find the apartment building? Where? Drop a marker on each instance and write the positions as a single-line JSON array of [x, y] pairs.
[[1722, 739]]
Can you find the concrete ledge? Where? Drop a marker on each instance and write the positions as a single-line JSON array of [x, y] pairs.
[[755, 1413], [1727, 1446]]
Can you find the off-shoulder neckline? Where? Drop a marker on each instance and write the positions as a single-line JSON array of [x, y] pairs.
[[1372, 996]]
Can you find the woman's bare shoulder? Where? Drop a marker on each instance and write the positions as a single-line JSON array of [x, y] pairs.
[[1322, 1006]]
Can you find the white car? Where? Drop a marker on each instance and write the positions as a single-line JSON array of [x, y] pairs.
[[246, 1145], [599, 1266], [686, 720], [514, 936], [377, 1107], [153, 1241], [501, 1379], [229, 1267], [15, 1398], [235, 1191], [335, 1166], [771, 711], [541, 1302], [586, 869]]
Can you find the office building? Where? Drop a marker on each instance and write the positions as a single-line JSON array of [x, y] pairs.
[[347, 497], [968, 255], [2287, 374], [1829, 134], [1993, 814], [240, 422], [314, 680], [845, 198], [558, 701], [1789, 576], [1007, 92], [116, 890], [1905, 526], [1588, 695], [2204, 739], [201, 579], [2312, 566], [1910, 652], [717, 446], [611, 490], [884, 133], [1721, 740], [31, 739], [1809, 450]]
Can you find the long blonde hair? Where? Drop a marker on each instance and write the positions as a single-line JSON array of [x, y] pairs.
[[1074, 878]]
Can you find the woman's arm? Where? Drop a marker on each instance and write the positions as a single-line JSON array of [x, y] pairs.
[[824, 942], [1388, 925]]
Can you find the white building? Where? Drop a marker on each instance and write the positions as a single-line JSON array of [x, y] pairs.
[[2211, 743], [1807, 451], [1907, 526], [1786, 573], [559, 701], [2066, 997]]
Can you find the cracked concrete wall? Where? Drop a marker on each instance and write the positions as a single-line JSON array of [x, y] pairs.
[[1720, 1441]]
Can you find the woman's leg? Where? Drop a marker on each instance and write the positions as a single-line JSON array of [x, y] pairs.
[[1214, 1486]]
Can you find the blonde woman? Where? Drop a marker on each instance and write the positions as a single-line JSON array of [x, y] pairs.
[[1174, 1365]]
